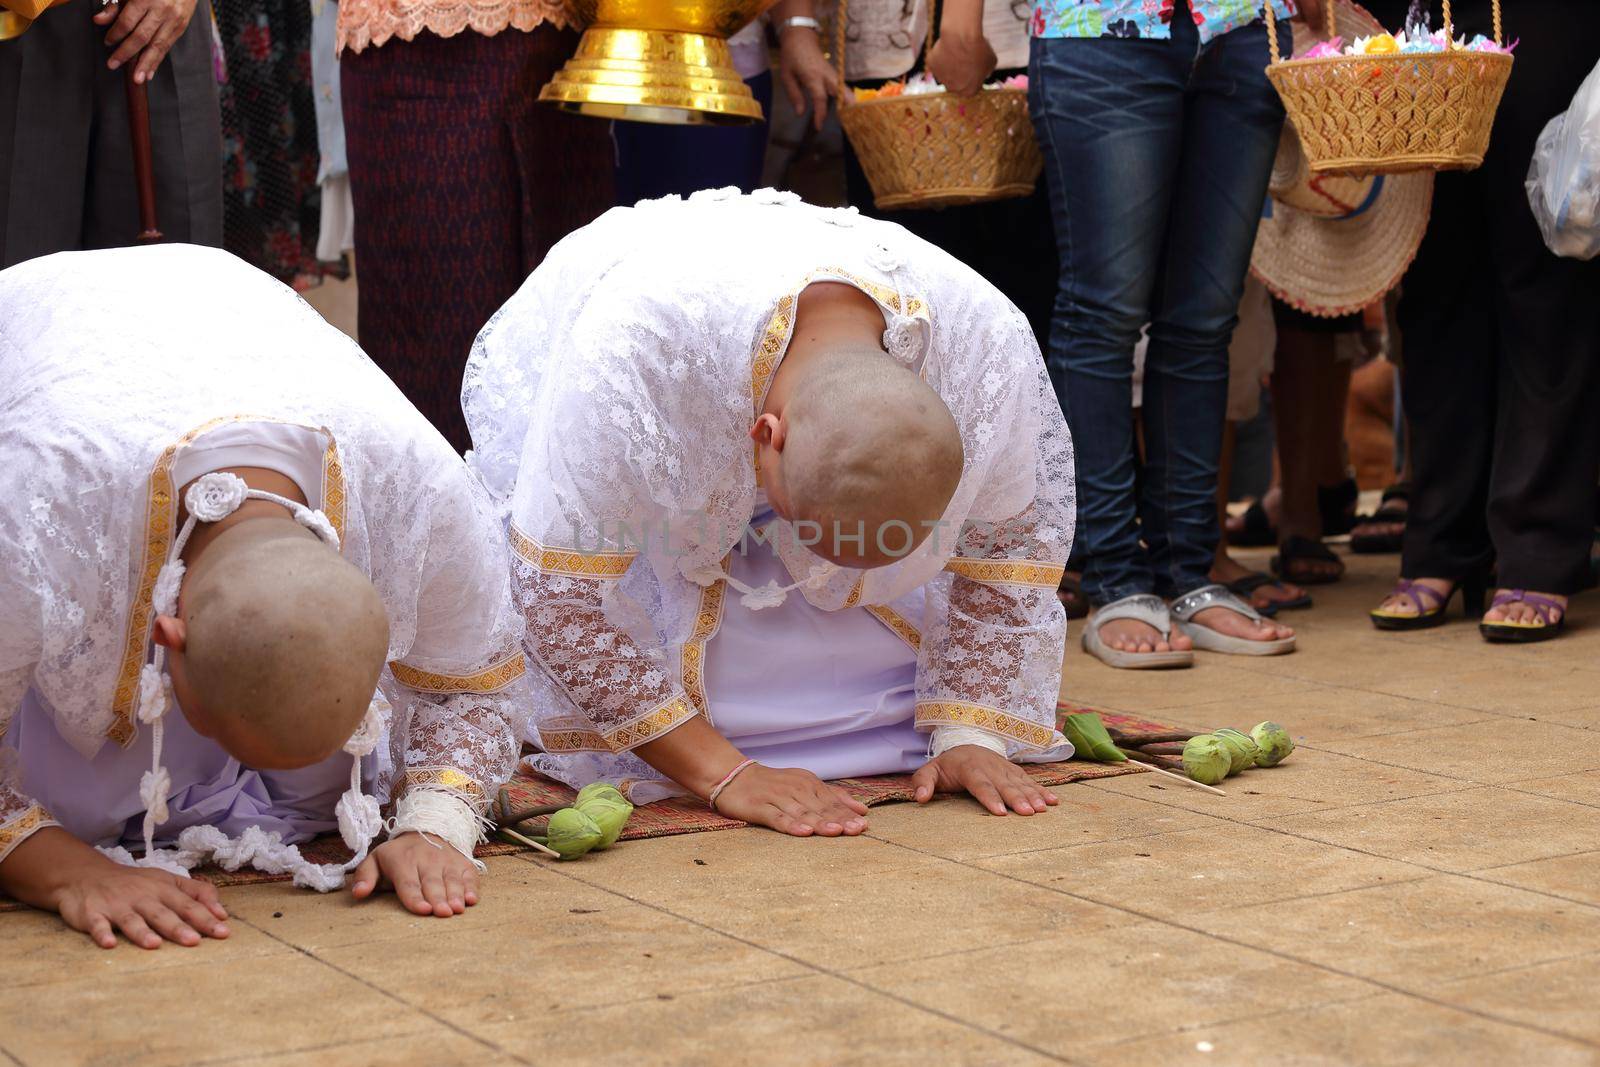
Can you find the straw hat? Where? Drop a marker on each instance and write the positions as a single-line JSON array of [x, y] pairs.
[[1331, 245]]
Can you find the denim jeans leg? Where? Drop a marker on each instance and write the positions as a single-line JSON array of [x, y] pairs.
[[1109, 117], [1232, 122]]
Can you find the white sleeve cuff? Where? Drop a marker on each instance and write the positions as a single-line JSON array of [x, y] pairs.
[[946, 737]]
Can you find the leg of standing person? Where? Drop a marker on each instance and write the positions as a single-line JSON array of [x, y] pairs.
[[1447, 381], [461, 183], [1110, 121], [1310, 386], [1546, 434], [1231, 126], [185, 148]]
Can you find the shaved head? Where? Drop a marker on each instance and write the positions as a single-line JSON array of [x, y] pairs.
[[284, 642], [872, 450]]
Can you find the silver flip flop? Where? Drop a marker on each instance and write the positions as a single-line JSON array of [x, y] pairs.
[[1186, 607], [1141, 607]]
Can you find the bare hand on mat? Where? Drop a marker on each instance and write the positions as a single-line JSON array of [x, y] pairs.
[[994, 781], [428, 876], [792, 801], [55, 871], [143, 28]]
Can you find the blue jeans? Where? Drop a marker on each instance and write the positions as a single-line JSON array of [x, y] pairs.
[[1157, 154], [661, 160]]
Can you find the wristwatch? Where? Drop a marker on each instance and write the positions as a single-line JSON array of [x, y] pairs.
[[804, 22]]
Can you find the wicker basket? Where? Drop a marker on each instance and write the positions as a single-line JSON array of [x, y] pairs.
[[938, 149], [1389, 114]]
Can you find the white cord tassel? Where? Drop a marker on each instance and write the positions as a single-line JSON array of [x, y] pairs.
[[442, 814]]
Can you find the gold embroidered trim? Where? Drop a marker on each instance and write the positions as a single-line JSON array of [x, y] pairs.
[[1008, 571], [966, 713], [855, 593], [580, 739], [899, 624], [160, 526], [650, 726], [446, 778], [608, 566], [491, 680], [706, 623], [23, 826]]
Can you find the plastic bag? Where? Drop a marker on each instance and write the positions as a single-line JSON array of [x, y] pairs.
[[1564, 179]]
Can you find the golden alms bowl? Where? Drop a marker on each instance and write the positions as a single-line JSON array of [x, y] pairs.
[[658, 61]]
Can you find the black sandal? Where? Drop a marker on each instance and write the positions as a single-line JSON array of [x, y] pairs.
[[1337, 506], [1244, 588], [1301, 550], [1070, 593], [1387, 514], [1257, 531]]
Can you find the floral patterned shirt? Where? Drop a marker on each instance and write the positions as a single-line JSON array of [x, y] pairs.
[[1145, 18]]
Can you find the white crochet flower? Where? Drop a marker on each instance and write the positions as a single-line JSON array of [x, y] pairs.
[[367, 734], [660, 201], [154, 788], [168, 582], [767, 596], [359, 817], [152, 694], [775, 197], [883, 258], [215, 496], [903, 339], [842, 216], [318, 523], [711, 196]]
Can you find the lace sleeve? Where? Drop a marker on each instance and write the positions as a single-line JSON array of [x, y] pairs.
[[991, 658], [463, 744], [20, 818]]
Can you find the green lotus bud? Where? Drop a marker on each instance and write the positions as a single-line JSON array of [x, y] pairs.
[[1243, 750], [1206, 759], [572, 833], [610, 815], [1274, 742], [597, 789]]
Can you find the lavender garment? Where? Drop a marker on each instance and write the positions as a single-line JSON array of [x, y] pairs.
[[97, 800]]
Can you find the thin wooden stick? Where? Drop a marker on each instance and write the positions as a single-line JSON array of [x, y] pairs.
[[530, 842], [529, 813], [1140, 757], [143, 169]]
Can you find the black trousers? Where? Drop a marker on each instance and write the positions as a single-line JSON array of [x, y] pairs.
[[1501, 381], [66, 161]]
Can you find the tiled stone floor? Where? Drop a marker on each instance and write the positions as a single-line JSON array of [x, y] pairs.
[[1420, 883]]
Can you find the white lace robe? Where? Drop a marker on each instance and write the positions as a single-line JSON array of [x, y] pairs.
[[111, 363], [610, 402]]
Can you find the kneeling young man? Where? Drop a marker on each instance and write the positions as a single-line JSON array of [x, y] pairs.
[[209, 498], [790, 497]]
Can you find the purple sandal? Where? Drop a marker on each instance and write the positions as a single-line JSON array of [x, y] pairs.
[[1430, 604], [1524, 632]]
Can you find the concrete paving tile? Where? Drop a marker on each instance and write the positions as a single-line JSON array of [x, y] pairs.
[[1164, 695], [427, 1047], [1571, 877], [1068, 994], [38, 948], [958, 828], [1559, 995], [560, 961], [1582, 788], [1317, 715], [239, 1007], [1391, 1030], [1505, 688], [1578, 718], [1180, 875], [1310, 780], [811, 1021], [1506, 827], [1505, 751], [512, 889], [1418, 934]]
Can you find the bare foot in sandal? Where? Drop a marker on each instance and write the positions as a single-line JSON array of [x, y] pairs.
[[1131, 635], [1231, 624], [1264, 592]]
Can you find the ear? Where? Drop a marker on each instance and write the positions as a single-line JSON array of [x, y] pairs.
[[170, 633], [765, 429]]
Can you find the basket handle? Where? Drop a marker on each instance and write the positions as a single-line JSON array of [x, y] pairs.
[[841, 18], [1449, 26]]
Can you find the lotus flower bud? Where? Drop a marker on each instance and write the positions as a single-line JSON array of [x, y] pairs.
[[1274, 742], [597, 789], [1243, 750], [572, 833], [1206, 759], [610, 815]]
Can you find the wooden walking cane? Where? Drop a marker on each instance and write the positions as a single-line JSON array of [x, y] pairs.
[[144, 177]]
